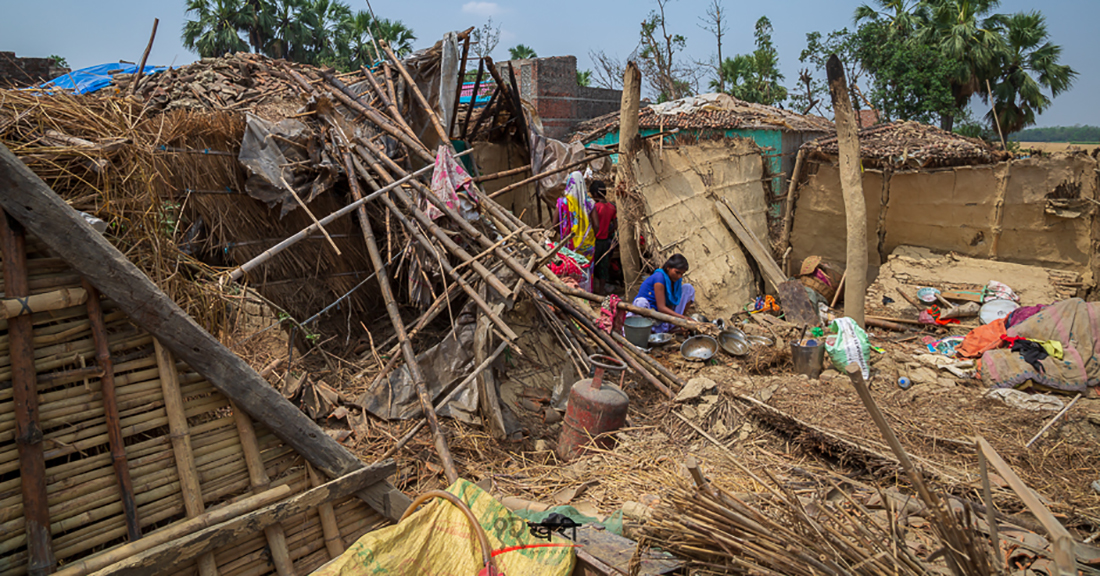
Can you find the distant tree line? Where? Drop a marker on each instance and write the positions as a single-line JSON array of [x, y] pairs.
[[1083, 134], [319, 32]]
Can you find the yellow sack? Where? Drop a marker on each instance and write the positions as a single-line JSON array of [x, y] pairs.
[[438, 540]]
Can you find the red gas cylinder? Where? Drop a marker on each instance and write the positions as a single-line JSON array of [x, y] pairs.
[[595, 407]]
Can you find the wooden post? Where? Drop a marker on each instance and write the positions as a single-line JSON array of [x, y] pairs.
[[628, 133], [788, 210], [181, 446], [110, 412], [407, 351], [24, 381], [144, 57], [851, 184], [473, 98], [260, 482]]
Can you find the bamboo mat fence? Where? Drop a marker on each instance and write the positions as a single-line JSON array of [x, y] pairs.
[[130, 441]]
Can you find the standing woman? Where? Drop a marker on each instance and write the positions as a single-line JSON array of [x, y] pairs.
[[665, 291]]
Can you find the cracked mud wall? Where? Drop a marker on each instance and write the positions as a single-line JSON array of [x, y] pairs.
[[1034, 211], [680, 185]]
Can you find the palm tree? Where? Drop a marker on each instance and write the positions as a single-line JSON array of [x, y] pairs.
[[213, 32], [1028, 64], [259, 22], [521, 52], [900, 14], [359, 31], [291, 24], [328, 17], [963, 30]]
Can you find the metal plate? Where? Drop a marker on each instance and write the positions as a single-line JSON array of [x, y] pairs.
[[660, 338], [733, 343], [759, 340], [699, 348]]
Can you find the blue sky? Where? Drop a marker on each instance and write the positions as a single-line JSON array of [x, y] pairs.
[[93, 32]]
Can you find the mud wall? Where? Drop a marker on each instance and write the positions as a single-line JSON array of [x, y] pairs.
[[1035, 211], [680, 185]]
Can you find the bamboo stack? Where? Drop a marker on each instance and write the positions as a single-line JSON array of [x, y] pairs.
[[104, 417]]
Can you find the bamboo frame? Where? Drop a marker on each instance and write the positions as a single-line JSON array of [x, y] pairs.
[[32, 464], [257, 476], [329, 527]]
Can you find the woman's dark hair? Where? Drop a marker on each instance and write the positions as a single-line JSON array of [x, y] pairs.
[[598, 189], [676, 261]]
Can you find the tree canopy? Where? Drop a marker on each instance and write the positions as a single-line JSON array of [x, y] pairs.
[[754, 77], [320, 32]]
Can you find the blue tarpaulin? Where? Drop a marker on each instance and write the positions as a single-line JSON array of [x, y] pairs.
[[94, 78]]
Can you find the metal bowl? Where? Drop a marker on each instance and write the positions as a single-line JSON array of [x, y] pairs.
[[699, 318], [660, 338], [733, 343], [736, 333], [755, 341], [699, 348]]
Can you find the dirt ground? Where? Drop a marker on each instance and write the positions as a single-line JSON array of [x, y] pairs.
[[935, 421]]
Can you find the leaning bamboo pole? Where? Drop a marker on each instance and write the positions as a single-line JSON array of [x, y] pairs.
[[330, 529], [32, 463], [111, 412], [413, 365], [181, 446], [257, 475]]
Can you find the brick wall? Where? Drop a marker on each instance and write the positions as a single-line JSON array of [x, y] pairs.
[[23, 72], [550, 85]]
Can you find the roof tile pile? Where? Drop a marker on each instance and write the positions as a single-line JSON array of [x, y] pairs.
[[913, 145]]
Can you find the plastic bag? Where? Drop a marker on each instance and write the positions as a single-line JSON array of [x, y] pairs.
[[848, 344]]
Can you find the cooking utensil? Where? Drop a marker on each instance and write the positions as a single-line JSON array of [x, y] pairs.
[[699, 348], [660, 338], [732, 343]]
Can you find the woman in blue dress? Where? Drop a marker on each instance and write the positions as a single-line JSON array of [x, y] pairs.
[[665, 291]]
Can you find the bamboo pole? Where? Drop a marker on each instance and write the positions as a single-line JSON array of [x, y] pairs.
[[257, 476], [851, 184], [56, 300], [538, 177], [484, 113], [110, 409], [309, 213], [172, 532], [389, 104], [503, 174], [788, 216], [648, 313], [181, 446], [329, 527], [32, 464], [243, 269], [444, 139], [413, 365]]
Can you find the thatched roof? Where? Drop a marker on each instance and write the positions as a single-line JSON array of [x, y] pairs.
[[708, 112], [911, 144]]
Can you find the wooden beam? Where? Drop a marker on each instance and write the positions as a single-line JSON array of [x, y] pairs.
[[30, 201], [169, 556], [458, 89], [759, 252], [628, 145]]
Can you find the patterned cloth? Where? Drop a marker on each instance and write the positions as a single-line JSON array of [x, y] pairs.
[[453, 185], [611, 318], [573, 209]]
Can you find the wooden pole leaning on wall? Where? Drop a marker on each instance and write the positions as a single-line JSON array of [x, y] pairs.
[[788, 210], [628, 145], [851, 185], [110, 412], [441, 448], [180, 434], [260, 482], [24, 381]]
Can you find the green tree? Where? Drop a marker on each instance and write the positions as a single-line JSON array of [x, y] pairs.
[[59, 61], [328, 17], [359, 32], [521, 52], [213, 30], [908, 80], [292, 21], [1028, 65], [584, 78], [964, 31], [754, 77]]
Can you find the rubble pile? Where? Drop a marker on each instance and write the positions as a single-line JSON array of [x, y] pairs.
[[912, 145]]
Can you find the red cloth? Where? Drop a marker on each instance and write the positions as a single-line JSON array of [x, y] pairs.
[[605, 213]]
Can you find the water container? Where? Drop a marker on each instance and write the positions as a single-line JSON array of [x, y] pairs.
[[808, 358], [637, 330]]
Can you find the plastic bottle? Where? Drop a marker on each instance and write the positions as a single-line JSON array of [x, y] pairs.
[[904, 383]]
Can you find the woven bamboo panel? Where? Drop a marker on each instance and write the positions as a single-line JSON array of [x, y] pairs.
[[83, 493]]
